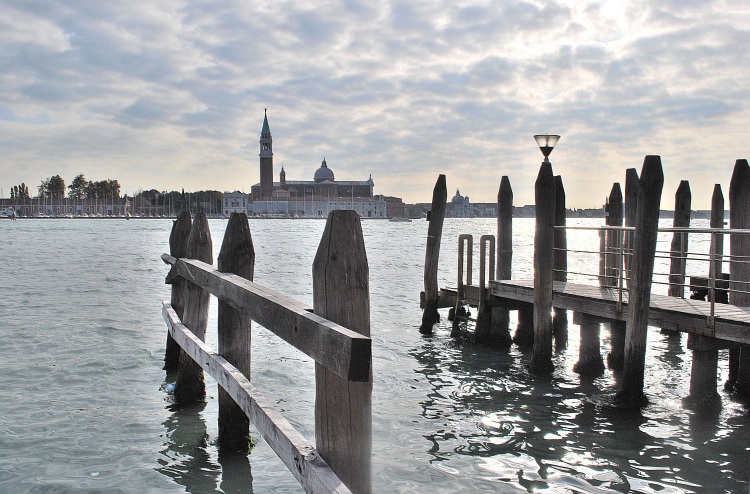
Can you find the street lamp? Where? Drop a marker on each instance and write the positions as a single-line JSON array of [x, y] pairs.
[[546, 143]]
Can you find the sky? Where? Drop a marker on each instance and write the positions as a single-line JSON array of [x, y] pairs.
[[171, 94]]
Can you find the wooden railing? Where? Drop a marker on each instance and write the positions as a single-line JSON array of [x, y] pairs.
[[342, 355]]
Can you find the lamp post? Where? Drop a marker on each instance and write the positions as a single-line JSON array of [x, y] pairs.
[[544, 192], [546, 143]]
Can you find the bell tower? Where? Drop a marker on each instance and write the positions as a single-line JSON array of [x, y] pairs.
[[266, 159]]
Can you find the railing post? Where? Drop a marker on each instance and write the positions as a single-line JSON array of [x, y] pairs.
[[430, 316], [560, 263], [679, 247], [237, 256], [484, 330], [644, 249], [544, 241], [465, 255], [343, 410], [177, 247], [739, 269], [190, 386]]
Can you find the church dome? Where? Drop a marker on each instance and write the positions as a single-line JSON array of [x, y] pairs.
[[323, 173], [457, 199]]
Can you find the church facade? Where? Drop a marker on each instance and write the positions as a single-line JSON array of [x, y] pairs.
[[310, 198]]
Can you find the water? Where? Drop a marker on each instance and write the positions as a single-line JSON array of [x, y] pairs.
[[82, 407]]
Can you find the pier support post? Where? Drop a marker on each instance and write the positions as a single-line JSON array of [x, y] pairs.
[[237, 256], [560, 263], [679, 246], [177, 247], [644, 249], [703, 371], [484, 332], [190, 386], [544, 241], [430, 316], [343, 410], [739, 270], [631, 208], [500, 314], [465, 255], [590, 362], [615, 264]]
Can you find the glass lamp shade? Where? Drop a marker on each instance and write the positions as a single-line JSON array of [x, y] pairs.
[[546, 143]]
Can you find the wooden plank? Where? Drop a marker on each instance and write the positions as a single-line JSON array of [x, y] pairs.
[[343, 351], [299, 456]]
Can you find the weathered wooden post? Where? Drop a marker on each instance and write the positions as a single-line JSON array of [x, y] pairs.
[[679, 247], [544, 241], [237, 256], [739, 269], [603, 249], [465, 255], [644, 249], [343, 410], [484, 332], [703, 371], [590, 362], [631, 208], [560, 315], [430, 316], [615, 239], [190, 386], [177, 247], [500, 315]]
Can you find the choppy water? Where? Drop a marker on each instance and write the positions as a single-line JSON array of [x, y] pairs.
[[81, 409]]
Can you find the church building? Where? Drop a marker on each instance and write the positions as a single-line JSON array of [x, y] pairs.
[[314, 197]]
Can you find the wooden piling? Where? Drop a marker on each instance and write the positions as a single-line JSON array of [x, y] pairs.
[[590, 362], [544, 241], [703, 370], [560, 263], [739, 270], [500, 314], [430, 316], [644, 249], [679, 247], [465, 255], [237, 256], [190, 386], [631, 208], [616, 355], [177, 247], [343, 410]]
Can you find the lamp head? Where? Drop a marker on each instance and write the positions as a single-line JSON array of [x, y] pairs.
[[546, 143]]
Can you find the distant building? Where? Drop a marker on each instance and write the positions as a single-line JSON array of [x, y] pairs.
[[459, 207], [235, 202], [314, 197]]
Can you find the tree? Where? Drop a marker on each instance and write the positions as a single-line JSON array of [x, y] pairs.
[[56, 187], [77, 188]]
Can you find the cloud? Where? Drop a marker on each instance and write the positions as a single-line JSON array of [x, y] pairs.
[[171, 95]]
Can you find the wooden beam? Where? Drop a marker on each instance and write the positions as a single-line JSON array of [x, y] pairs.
[[430, 316], [299, 456], [343, 351], [177, 247]]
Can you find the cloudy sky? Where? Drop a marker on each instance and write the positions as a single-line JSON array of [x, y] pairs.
[[171, 94]]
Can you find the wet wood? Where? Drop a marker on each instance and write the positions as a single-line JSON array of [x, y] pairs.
[[544, 241], [343, 410], [560, 263], [178, 239], [190, 386], [485, 333], [299, 456], [644, 248], [465, 255], [616, 357], [739, 271], [343, 351], [500, 314], [631, 208], [679, 246], [590, 362], [430, 316], [703, 369], [237, 256]]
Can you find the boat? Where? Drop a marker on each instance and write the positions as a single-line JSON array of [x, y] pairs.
[[400, 219]]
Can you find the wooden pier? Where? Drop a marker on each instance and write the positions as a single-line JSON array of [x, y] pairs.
[[335, 333], [621, 294]]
